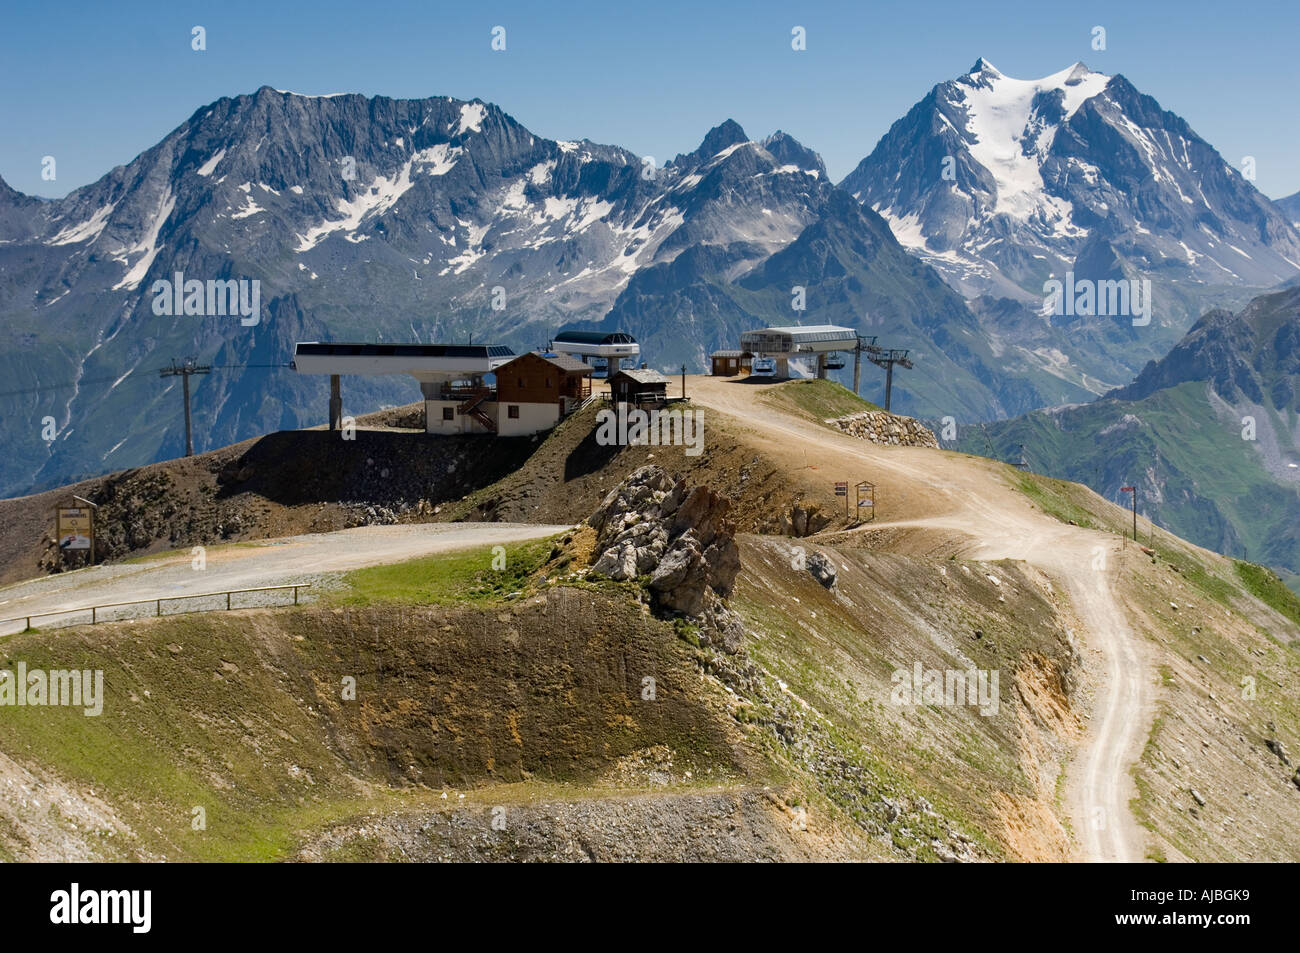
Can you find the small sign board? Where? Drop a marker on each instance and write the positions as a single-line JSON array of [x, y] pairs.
[[842, 488], [74, 527], [866, 494]]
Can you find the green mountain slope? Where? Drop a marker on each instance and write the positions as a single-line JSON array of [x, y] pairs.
[[1210, 435]]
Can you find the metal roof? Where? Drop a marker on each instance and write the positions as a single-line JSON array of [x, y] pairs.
[[817, 332], [641, 376], [730, 354], [427, 363], [570, 365], [334, 349], [806, 337], [593, 337]]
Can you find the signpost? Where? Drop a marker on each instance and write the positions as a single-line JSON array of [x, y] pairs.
[[842, 489], [1134, 491]]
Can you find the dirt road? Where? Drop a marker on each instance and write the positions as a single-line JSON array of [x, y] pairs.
[[967, 497], [272, 562]]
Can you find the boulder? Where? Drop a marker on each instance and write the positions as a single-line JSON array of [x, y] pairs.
[[618, 562], [822, 569]]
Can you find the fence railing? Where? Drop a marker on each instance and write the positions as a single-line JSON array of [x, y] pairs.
[[158, 603]]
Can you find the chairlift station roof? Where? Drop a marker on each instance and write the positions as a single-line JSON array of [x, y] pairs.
[[596, 344], [800, 339], [425, 362]]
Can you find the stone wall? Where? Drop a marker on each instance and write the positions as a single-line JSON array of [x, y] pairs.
[[880, 427]]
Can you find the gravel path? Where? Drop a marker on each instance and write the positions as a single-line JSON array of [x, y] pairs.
[[317, 559]]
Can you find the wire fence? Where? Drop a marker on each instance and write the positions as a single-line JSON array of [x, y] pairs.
[[157, 601]]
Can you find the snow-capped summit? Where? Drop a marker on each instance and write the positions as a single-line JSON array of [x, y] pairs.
[[1078, 73], [1002, 182]]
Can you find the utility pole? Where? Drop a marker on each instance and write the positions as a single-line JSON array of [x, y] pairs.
[[183, 371], [863, 344], [887, 358]]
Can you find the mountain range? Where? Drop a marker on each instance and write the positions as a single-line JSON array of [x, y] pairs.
[[440, 220]]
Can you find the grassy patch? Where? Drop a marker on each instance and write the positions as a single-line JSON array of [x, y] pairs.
[[485, 574], [1054, 497], [1266, 586], [819, 400]]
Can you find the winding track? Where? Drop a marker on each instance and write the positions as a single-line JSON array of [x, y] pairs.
[[969, 498]]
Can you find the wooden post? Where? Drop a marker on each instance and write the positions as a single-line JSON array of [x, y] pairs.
[[336, 403], [1134, 490], [189, 437]]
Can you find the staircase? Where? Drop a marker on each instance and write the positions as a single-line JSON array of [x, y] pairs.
[[472, 409]]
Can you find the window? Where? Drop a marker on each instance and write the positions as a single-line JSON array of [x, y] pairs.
[[512, 411], [449, 413], [520, 381]]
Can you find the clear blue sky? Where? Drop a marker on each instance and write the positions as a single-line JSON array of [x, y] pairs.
[[95, 83]]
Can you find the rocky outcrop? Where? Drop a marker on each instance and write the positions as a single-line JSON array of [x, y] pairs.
[[880, 427], [677, 536]]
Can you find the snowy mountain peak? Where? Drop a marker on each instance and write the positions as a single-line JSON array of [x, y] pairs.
[[1078, 73], [720, 137], [1001, 183], [788, 150]]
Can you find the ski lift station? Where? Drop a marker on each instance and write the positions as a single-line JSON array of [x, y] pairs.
[[820, 340]]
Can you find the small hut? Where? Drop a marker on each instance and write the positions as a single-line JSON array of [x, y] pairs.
[[638, 387], [731, 363]]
